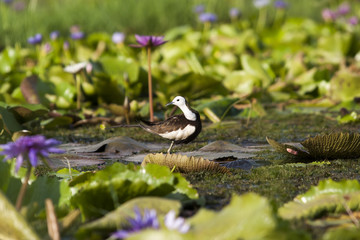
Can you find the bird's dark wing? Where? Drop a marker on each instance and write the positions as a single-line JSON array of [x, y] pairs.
[[171, 124]]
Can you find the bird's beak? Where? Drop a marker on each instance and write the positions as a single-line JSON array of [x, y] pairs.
[[168, 104]]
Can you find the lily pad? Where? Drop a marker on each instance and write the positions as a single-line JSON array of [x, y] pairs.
[[119, 217], [12, 223], [246, 217], [328, 197], [107, 189], [184, 164]]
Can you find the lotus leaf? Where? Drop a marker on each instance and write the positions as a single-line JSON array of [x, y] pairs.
[[327, 198], [345, 85], [12, 223], [7, 60], [327, 146], [117, 66], [194, 86], [241, 82], [246, 217], [342, 233], [99, 193], [334, 47], [253, 67], [184, 164], [13, 116], [119, 217]]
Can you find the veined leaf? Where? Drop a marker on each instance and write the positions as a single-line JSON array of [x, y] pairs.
[[326, 198], [246, 217], [12, 223], [109, 188]]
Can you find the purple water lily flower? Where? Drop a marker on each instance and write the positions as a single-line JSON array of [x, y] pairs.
[[54, 35], [138, 223], [35, 39], [343, 9], [66, 46], [328, 15], [280, 4], [118, 37], [234, 13], [77, 35], [29, 148], [198, 9], [148, 41], [353, 20], [207, 17]]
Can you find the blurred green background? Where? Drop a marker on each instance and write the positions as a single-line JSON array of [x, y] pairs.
[[21, 19]]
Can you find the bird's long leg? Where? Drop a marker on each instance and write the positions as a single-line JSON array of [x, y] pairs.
[[172, 143]]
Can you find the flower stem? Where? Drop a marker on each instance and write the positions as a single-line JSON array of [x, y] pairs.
[[150, 85], [78, 90], [23, 189], [262, 19]]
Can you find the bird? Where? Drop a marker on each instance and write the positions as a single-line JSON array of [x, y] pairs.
[[181, 128]]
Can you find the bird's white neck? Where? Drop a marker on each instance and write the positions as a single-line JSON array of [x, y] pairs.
[[188, 113]]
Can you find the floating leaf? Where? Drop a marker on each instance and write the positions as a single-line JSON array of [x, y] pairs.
[[253, 67], [184, 164], [7, 60], [119, 217], [12, 223], [327, 146], [9, 122], [327, 198], [246, 217], [240, 82], [345, 85], [343, 233], [107, 189], [194, 86]]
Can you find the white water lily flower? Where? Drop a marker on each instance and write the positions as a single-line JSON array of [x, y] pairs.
[[75, 68], [261, 3], [173, 223]]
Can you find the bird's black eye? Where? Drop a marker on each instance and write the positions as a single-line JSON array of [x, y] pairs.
[[178, 100]]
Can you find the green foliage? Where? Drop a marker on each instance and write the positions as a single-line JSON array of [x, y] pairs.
[[14, 116], [105, 190], [327, 198], [12, 223], [247, 217], [119, 217]]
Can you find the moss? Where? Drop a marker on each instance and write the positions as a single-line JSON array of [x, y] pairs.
[[279, 183]]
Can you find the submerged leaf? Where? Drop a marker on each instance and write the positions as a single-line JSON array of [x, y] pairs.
[[184, 164], [326, 198]]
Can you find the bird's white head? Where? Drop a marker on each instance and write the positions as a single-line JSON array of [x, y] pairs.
[[182, 104], [178, 101]]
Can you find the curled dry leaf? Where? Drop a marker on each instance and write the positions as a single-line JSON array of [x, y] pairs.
[[324, 146], [184, 164]]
